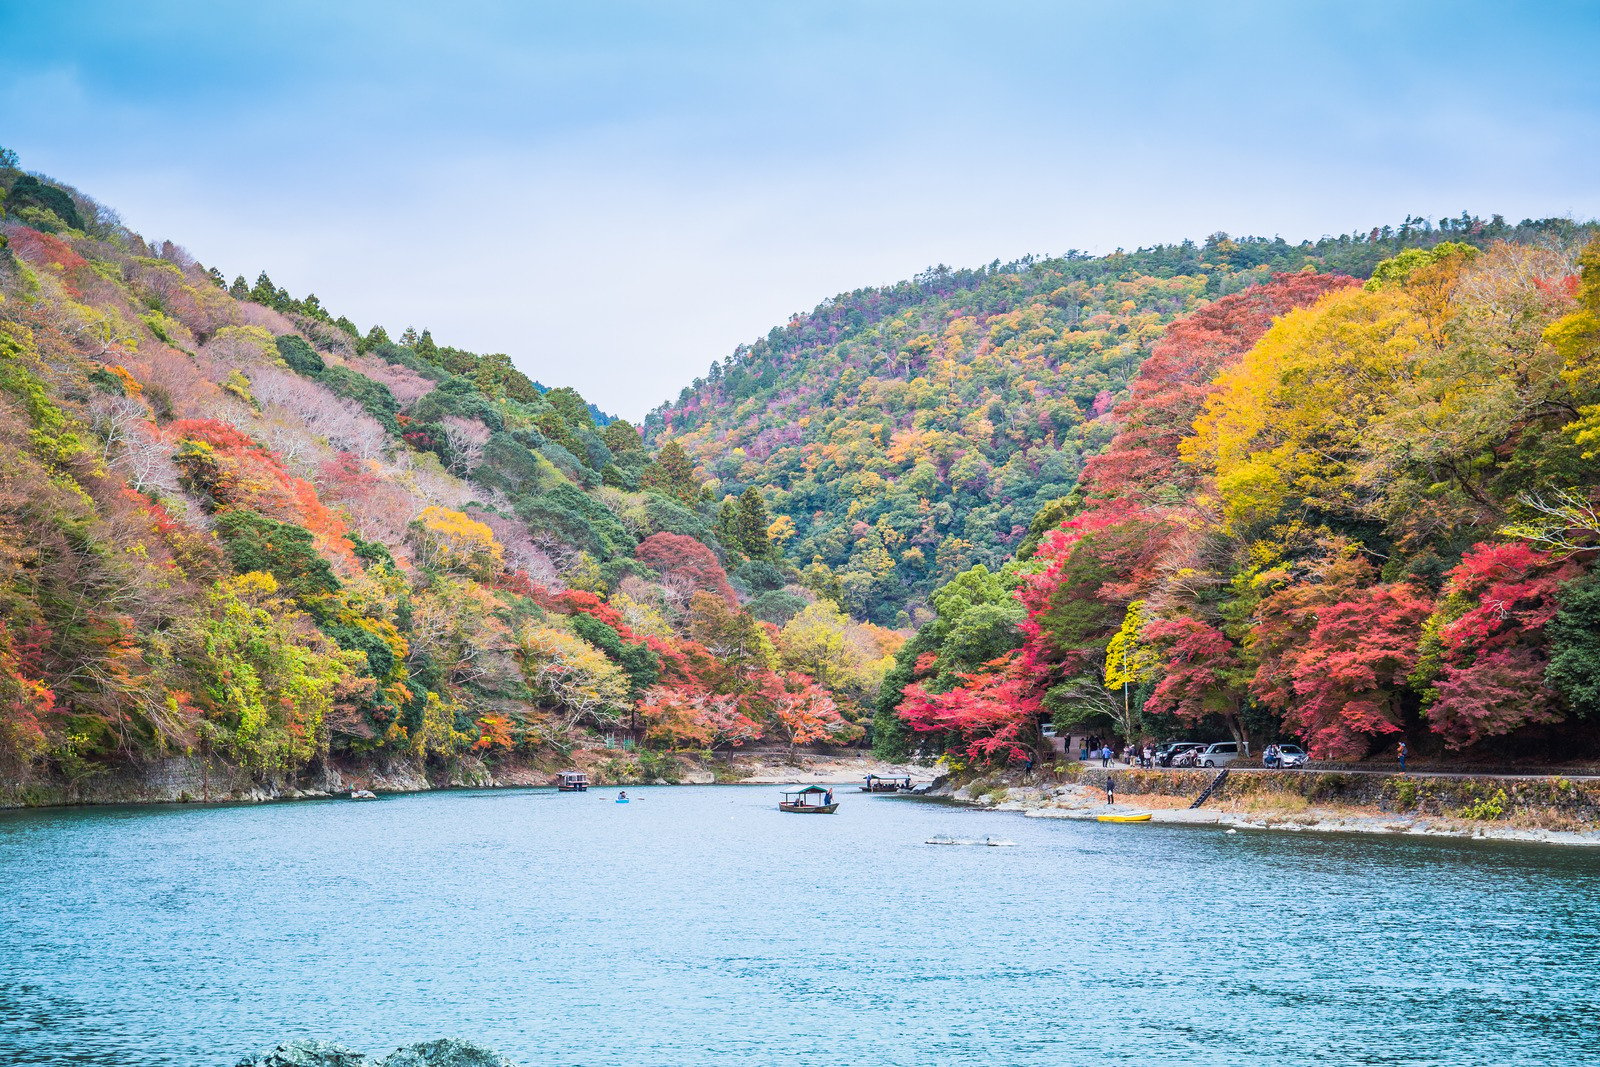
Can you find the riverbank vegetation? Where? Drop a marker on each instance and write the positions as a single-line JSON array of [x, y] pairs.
[[1337, 509]]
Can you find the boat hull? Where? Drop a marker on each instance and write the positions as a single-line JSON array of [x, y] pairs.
[[810, 809], [1125, 818]]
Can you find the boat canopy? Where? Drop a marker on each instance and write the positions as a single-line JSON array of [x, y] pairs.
[[809, 794]]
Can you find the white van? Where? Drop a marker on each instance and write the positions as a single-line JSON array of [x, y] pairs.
[[1220, 754]]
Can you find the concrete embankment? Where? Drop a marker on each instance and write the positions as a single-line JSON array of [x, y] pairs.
[[1551, 809], [184, 779]]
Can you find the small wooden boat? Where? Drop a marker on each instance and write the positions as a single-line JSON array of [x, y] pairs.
[[572, 782], [363, 794], [1141, 816], [812, 800], [992, 842], [877, 783]]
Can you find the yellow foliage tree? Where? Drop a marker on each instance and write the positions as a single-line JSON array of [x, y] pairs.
[[572, 676], [451, 540]]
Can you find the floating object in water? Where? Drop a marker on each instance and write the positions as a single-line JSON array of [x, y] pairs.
[[1138, 816], [363, 794], [622, 800], [1233, 831], [993, 842], [812, 800]]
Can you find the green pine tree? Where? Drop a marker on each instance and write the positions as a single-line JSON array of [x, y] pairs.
[[264, 292], [375, 337], [751, 525], [425, 346], [726, 526], [673, 475]]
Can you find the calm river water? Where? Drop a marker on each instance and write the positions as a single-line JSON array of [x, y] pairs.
[[698, 925]]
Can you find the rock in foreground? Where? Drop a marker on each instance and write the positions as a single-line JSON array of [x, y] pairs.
[[446, 1052]]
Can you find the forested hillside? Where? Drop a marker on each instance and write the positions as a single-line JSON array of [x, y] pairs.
[[234, 525], [913, 431], [1344, 513], [1338, 491]]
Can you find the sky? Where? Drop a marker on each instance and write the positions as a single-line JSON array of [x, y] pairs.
[[617, 194]]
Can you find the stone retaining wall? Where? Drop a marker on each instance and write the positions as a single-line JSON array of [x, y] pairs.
[[1548, 801]]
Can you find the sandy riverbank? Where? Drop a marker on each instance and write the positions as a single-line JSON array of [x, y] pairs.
[[1252, 805]]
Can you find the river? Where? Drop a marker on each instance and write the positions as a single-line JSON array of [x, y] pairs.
[[698, 925]]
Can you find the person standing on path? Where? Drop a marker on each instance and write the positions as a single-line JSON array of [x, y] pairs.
[[1111, 791], [1105, 756], [1403, 753]]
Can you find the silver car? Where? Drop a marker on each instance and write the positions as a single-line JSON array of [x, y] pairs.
[[1289, 757], [1220, 754]]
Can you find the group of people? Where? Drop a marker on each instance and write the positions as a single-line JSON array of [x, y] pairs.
[[1133, 754]]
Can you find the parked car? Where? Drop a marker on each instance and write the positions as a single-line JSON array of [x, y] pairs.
[[1172, 749], [1290, 756], [1220, 754]]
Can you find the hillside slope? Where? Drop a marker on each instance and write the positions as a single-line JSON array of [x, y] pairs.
[[233, 526], [1343, 515], [912, 431]]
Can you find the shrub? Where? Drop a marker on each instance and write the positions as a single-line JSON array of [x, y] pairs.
[[1487, 808], [301, 357]]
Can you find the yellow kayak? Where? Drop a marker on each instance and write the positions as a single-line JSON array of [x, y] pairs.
[[1143, 816]]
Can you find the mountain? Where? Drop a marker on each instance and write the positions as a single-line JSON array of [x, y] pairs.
[[1343, 513], [235, 527], [913, 431]]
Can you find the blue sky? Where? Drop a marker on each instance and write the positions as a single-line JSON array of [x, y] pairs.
[[616, 193]]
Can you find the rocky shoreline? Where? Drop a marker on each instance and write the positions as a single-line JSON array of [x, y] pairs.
[[446, 1052], [186, 780], [1544, 810]]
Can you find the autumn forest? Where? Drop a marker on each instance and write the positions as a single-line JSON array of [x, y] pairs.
[[1343, 491]]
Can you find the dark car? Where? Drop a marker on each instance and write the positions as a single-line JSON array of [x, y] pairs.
[[1166, 753]]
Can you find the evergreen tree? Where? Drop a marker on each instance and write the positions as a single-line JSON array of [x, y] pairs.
[[1574, 667], [726, 526], [673, 475], [240, 289], [409, 338], [375, 337], [621, 436], [751, 525], [425, 346], [264, 292]]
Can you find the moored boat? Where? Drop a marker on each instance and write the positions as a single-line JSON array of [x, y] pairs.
[[1141, 816]]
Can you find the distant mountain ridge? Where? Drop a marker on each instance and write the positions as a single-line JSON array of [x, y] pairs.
[[911, 431]]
